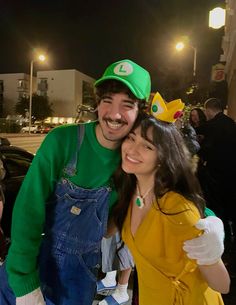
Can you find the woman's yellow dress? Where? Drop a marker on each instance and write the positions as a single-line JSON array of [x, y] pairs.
[[166, 276]]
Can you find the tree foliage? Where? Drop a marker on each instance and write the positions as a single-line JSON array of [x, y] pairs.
[[41, 108]]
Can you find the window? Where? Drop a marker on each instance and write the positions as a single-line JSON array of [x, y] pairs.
[[43, 85], [88, 97], [22, 84]]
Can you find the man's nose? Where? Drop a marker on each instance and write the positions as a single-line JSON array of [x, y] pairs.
[[115, 112]]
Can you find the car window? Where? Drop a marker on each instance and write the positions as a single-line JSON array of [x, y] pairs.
[[16, 162]]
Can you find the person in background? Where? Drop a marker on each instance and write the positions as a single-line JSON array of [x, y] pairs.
[[197, 118], [159, 208], [189, 135], [190, 139], [218, 162], [217, 168], [66, 195]]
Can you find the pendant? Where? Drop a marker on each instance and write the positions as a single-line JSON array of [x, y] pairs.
[[139, 202]]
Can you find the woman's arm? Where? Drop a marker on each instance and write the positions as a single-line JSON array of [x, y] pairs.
[[216, 276]]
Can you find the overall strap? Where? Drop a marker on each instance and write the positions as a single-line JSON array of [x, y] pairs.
[[81, 130], [70, 168]]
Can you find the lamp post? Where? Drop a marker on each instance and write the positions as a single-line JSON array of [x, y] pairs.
[[180, 46], [41, 58], [217, 18]]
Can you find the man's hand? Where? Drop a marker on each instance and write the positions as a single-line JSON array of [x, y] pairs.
[[33, 298], [208, 248]]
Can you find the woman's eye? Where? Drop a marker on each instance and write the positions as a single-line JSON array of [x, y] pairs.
[[148, 147]]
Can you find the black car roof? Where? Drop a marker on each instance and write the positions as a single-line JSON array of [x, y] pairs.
[[4, 141]]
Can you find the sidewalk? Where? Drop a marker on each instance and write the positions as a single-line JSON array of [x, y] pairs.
[[13, 135]]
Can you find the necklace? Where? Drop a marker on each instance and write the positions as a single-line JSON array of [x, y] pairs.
[[139, 201]]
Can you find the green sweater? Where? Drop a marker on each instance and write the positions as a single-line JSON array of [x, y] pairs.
[[95, 166]]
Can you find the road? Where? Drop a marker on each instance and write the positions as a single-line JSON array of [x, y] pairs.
[[28, 142]]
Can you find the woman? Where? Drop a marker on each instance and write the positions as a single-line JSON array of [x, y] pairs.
[[197, 120], [159, 204], [197, 117]]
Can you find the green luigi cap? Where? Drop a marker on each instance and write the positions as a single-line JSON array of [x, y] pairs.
[[136, 78]]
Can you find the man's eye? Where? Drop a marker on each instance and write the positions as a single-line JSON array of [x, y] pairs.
[[106, 101], [129, 106]]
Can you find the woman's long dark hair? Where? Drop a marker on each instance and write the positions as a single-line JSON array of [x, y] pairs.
[[174, 172], [201, 116]]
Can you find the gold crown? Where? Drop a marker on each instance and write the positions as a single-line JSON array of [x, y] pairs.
[[168, 112]]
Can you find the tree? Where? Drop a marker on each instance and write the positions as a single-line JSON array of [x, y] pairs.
[[41, 108]]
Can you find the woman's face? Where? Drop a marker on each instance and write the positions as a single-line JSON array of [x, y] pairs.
[[194, 116], [139, 156]]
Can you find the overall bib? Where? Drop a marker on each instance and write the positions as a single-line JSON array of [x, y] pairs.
[[70, 255]]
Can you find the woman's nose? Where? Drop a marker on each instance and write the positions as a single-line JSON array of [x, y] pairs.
[[133, 148]]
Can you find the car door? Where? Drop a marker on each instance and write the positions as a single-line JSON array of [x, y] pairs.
[[16, 163]]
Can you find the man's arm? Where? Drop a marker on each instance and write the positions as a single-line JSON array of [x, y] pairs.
[[216, 276], [207, 249], [29, 217]]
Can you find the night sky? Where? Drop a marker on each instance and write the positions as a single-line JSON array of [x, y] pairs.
[[88, 35]]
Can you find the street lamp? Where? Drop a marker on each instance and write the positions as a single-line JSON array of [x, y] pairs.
[[217, 18], [42, 58], [180, 46]]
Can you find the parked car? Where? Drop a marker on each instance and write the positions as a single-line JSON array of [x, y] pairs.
[[46, 129], [16, 162], [33, 129]]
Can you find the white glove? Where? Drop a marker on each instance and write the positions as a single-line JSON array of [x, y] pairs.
[[33, 298], [207, 248]]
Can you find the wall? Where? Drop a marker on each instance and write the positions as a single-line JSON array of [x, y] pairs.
[[64, 90], [12, 90]]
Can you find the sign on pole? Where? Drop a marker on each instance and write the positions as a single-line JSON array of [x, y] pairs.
[[218, 73]]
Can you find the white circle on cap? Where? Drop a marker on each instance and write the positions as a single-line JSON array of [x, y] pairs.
[[123, 68]]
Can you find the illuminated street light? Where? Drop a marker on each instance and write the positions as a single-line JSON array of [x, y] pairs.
[[180, 46], [217, 18], [41, 58]]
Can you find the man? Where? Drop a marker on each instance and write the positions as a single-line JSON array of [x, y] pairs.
[[61, 211], [217, 171], [218, 162], [66, 195]]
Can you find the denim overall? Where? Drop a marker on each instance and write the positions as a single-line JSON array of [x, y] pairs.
[[70, 254]]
